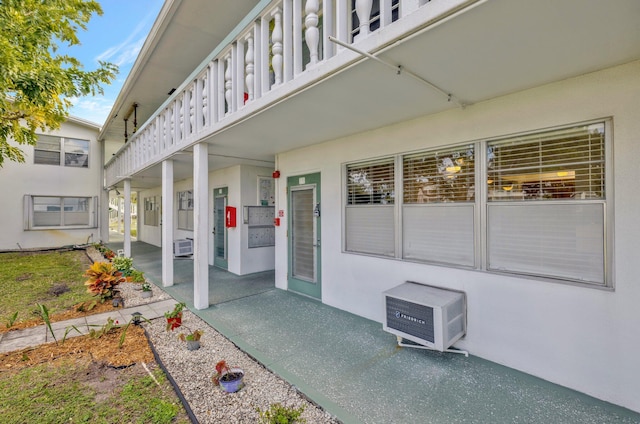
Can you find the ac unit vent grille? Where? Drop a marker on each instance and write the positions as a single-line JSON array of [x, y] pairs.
[[410, 318], [183, 247]]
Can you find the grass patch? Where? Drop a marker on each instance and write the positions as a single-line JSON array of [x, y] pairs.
[[51, 278], [54, 394]]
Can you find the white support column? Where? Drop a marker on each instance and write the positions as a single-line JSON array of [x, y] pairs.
[[342, 23], [201, 226], [127, 218], [167, 223]]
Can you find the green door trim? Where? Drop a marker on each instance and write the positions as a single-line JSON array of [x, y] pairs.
[[311, 287], [220, 262]]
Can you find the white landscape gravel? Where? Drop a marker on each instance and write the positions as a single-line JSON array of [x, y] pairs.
[[192, 370]]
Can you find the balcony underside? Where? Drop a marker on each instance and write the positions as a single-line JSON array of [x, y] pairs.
[[489, 49]]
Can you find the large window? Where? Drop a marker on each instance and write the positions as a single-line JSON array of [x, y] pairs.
[[185, 210], [50, 211], [50, 150], [532, 204]]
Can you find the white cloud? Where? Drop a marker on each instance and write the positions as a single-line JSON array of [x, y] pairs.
[[94, 109], [126, 52]]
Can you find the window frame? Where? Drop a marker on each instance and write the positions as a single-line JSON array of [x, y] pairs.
[[63, 151], [482, 203], [151, 215], [30, 219], [185, 211]]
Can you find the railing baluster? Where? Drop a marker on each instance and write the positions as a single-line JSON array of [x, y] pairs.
[[312, 34], [276, 48], [250, 67], [363, 11]]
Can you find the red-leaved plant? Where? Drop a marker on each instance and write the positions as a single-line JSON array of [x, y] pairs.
[[103, 278]]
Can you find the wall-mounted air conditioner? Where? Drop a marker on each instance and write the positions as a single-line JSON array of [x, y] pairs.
[[182, 247], [430, 316]]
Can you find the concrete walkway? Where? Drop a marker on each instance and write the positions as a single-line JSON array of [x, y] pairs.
[[34, 336]]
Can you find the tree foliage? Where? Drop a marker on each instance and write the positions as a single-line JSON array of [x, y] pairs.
[[37, 81]]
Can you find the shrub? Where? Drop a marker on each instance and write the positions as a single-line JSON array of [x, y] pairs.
[[103, 278]]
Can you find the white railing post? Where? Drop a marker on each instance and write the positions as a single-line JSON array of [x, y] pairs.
[[328, 28], [276, 48], [385, 13], [239, 72], [227, 83], [298, 31], [408, 6], [265, 56], [363, 11], [312, 34], [342, 22], [249, 61], [287, 41]]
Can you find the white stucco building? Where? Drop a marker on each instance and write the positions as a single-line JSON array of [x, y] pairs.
[[483, 146], [55, 197]]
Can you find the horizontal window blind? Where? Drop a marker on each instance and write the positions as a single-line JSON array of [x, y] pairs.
[[370, 229], [444, 175], [371, 183], [442, 234], [561, 164], [551, 240]]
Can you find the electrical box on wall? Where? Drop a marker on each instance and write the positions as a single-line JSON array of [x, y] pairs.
[[230, 217]]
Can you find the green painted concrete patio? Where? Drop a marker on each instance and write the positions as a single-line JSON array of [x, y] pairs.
[[354, 370]]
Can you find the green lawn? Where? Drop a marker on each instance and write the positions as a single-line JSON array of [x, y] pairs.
[[30, 278], [48, 394]]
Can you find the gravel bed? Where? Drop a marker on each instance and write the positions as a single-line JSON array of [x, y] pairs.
[[192, 371]]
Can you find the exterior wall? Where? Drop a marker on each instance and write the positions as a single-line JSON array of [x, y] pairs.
[[242, 184], [151, 234], [582, 338], [20, 179]]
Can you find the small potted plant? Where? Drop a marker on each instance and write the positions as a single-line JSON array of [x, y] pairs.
[[146, 290], [192, 338], [174, 317], [230, 379]]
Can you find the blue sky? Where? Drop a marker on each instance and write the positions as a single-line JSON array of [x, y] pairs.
[[117, 36]]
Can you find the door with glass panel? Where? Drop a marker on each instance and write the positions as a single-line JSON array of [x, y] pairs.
[[304, 274], [219, 229]]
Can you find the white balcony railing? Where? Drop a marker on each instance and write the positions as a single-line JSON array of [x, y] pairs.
[[281, 43]]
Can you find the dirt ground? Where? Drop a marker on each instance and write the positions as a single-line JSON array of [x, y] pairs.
[[105, 349]]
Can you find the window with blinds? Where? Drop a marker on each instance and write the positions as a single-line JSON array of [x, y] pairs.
[[546, 210], [543, 213], [438, 206], [561, 164], [185, 210], [370, 221], [52, 211], [151, 211], [50, 150]]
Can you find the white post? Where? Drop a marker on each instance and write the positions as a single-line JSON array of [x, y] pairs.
[[342, 23], [250, 67], [201, 225], [127, 218], [167, 223]]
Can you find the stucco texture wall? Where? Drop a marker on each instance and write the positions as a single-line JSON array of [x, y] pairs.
[[582, 338]]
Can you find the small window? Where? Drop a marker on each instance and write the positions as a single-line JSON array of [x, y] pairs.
[[49, 211], [185, 210], [50, 150], [151, 211]]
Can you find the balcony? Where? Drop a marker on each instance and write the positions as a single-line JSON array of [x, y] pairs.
[[278, 53], [294, 73]]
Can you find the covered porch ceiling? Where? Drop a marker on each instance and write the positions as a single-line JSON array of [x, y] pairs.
[[489, 49]]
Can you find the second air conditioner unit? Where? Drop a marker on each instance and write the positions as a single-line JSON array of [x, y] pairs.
[[183, 247]]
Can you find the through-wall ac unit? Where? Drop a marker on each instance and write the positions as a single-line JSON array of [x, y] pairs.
[[430, 316], [183, 247]]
